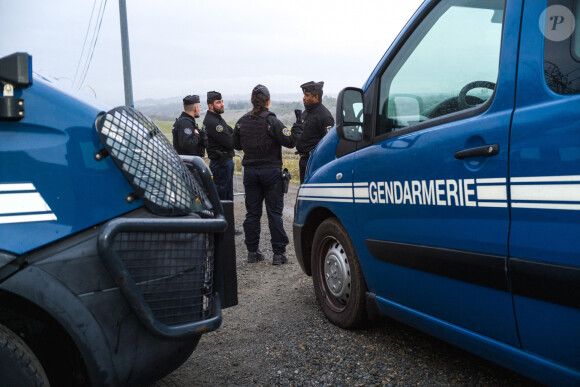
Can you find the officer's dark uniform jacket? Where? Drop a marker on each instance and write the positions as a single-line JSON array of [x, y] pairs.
[[261, 139], [316, 121], [185, 140], [220, 145]]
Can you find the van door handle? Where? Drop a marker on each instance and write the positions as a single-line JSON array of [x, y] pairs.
[[486, 150]]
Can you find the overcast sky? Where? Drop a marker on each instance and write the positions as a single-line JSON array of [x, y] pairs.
[[181, 47]]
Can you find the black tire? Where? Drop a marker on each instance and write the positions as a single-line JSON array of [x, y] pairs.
[[18, 364], [338, 279]]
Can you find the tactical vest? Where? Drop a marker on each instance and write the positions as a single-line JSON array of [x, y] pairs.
[[175, 133], [257, 141], [175, 136]]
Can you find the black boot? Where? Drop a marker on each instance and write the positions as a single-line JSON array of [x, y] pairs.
[[255, 256], [279, 259]]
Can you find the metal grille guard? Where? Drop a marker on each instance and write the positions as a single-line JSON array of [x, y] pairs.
[[187, 224], [128, 286]]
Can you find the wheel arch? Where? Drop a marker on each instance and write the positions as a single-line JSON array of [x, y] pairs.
[[59, 329], [45, 337], [314, 219]]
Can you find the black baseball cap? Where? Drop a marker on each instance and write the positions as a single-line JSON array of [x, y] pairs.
[[260, 90]]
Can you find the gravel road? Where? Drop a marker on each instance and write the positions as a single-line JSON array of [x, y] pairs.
[[278, 336]]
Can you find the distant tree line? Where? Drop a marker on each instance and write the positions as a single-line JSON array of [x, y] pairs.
[[283, 110]]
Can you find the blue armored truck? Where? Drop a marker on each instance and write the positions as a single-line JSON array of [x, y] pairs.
[[448, 194], [116, 255]]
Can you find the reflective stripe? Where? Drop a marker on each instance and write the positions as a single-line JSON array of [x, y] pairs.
[[17, 187], [541, 179], [329, 185], [17, 206], [547, 206], [27, 218], [491, 192], [327, 192], [15, 203], [499, 180], [361, 192], [326, 199], [492, 204], [548, 192]]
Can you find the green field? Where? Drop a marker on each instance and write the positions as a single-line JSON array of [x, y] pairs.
[[289, 159]]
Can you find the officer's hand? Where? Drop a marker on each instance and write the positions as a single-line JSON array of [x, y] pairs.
[[297, 128], [298, 114]]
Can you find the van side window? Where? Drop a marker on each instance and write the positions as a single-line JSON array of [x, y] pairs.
[[448, 64], [562, 46]]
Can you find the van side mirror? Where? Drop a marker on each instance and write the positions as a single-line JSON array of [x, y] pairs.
[[350, 114]]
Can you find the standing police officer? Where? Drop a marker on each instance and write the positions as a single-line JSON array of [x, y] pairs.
[[220, 147], [316, 121], [188, 139], [261, 136]]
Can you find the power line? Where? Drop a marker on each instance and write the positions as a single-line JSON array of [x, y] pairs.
[[85, 42], [94, 42]]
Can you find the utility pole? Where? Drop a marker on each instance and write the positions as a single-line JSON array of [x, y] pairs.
[[126, 57]]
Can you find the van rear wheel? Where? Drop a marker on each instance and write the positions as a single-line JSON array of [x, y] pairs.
[[18, 364], [338, 280]]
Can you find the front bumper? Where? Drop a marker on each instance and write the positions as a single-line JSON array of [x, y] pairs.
[[297, 232]]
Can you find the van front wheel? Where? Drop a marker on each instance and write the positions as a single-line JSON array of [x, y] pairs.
[[18, 365], [338, 280]]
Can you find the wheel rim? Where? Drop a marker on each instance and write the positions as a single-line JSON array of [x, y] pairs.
[[336, 274]]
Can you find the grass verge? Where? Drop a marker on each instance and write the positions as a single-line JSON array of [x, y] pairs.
[[289, 158]]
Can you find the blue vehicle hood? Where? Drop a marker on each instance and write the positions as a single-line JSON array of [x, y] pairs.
[[51, 185], [324, 152]]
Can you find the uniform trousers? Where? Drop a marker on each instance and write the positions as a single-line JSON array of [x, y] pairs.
[[264, 185], [223, 178]]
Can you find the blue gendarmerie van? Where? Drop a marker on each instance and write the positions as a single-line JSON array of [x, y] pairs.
[[448, 194]]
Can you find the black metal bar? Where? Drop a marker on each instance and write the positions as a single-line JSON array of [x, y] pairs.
[[205, 175]]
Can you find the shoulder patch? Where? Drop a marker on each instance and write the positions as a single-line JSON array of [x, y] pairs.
[[187, 131], [286, 132], [219, 128]]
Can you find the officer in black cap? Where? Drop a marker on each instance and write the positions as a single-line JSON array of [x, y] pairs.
[[316, 121], [220, 147], [188, 139], [261, 136]]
